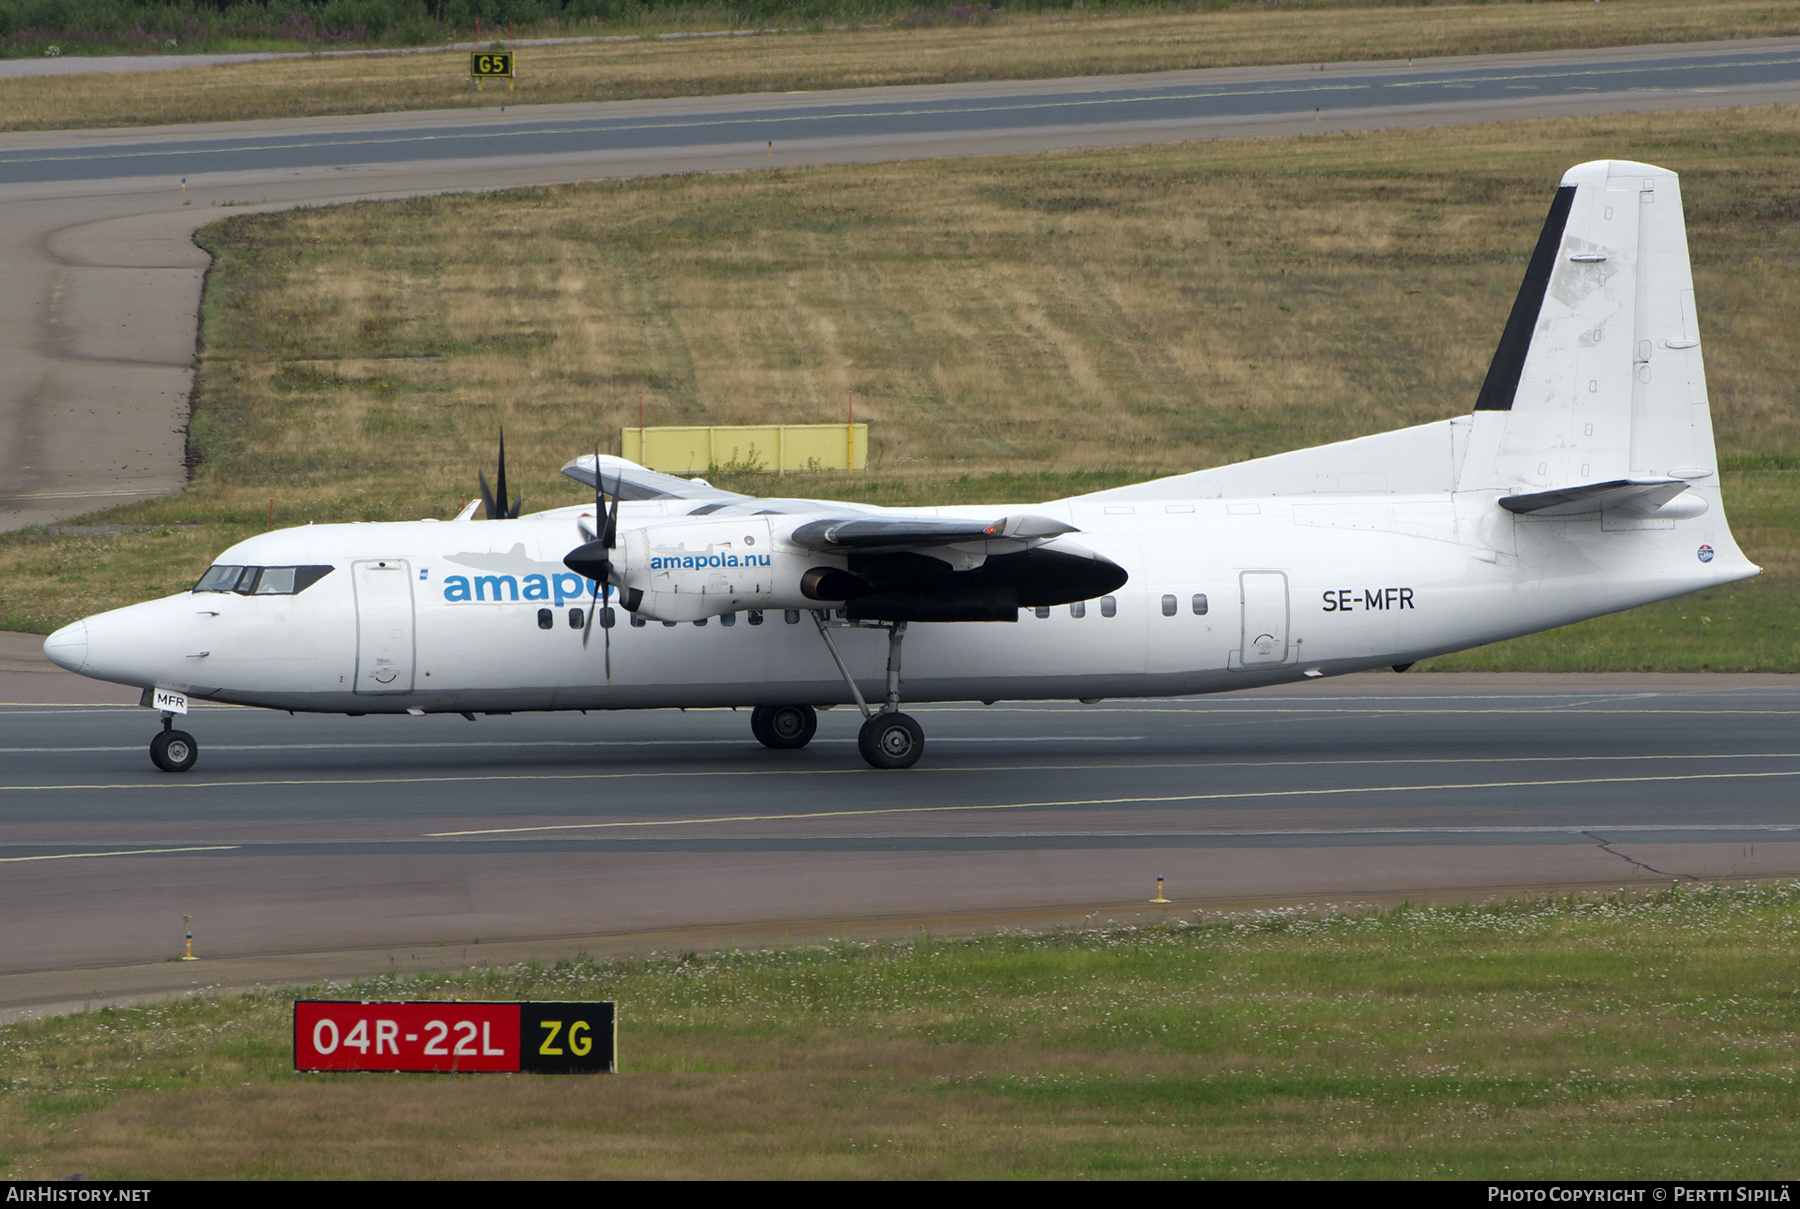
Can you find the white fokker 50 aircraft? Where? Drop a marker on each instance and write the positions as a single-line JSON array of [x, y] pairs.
[[1583, 483]]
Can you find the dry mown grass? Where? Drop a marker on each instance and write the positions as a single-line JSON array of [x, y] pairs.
[[1017, 328], [1635, 1037], [1018, 48]]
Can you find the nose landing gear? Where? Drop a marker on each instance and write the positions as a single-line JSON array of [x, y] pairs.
[[889, 738], [173, 750]]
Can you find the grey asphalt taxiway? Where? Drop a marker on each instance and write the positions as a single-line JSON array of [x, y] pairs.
[[97, 325], [308, 847]]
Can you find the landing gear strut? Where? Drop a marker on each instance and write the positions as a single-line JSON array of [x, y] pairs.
[[784, 727], [173, 750], [889, 738]]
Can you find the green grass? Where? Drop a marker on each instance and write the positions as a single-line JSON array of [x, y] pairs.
[[1636, 1036]]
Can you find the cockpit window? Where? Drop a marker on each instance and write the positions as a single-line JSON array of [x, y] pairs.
[[219, 579], [261, 581]]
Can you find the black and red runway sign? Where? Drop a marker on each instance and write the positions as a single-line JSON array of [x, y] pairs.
[[543, 1038]]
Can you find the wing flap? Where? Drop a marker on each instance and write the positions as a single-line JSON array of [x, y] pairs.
[[869, 534]]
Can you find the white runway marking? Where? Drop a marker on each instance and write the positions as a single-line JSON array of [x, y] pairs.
[[1595, 831], [1133, 801], [70, 856]]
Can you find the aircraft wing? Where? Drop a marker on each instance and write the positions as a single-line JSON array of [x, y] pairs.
[[869, 535], [1632, 494], [633, 482]]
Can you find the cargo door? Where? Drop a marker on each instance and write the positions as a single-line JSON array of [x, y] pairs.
[[384, 626]]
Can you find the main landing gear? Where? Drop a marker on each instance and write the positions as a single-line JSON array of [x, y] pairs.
[[784, 727], [173, 750], [889, 738]]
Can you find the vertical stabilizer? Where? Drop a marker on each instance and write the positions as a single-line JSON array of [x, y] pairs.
[[1598, 375]]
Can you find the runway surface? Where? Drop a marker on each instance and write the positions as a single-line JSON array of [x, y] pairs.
[[97, 325], [336, 835], [1185, 98]]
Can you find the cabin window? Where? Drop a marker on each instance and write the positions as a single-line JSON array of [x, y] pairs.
[[791, 616], [546, 619], [607, 618], [755, 616], [728, 619], [701, 622], [1078, 609], [576, 617], [1109, 606], [1168, 606], [1042, 611], [668, 625], [638, 622], [1199, 604]]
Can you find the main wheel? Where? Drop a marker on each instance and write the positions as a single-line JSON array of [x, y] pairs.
[[784, 727], [891, 741], [174, 750]]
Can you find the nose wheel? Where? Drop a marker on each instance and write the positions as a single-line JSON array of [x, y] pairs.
[[784, 727], [891, 740], [888, 738], [173, 750]]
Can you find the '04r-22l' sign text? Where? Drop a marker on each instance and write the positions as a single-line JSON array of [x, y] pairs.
[[545, 1038]]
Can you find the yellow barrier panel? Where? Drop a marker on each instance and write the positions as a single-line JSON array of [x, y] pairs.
[[748, 447]]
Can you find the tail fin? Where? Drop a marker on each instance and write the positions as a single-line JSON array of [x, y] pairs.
[[1598, 375]]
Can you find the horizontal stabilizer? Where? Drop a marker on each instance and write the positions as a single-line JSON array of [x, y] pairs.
[[1642, 496], [915, 532], [630, 481]]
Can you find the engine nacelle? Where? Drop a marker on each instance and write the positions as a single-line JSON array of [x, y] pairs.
[[691, 569], [695, 568]]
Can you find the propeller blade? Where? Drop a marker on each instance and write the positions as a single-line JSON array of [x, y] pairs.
[[500, 491], [605, 585], [488, 508], [587, 627], [611, 536]]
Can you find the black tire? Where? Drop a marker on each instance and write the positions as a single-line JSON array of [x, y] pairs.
[[891, 741], [784, 727], [174, 750]]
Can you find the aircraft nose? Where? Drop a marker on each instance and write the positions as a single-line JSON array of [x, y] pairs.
[[68, 647]]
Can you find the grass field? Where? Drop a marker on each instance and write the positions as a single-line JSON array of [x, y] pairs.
[[1631, 1037], [1016, 48], [1014, 329]]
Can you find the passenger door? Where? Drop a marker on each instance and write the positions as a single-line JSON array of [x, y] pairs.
[[384, 626]]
